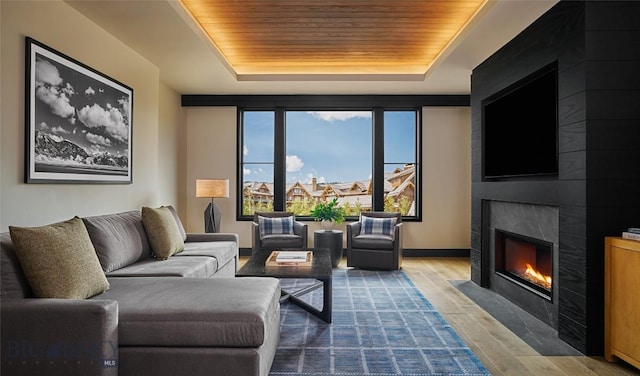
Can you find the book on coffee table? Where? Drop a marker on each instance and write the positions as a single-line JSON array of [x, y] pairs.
[[296, 258]]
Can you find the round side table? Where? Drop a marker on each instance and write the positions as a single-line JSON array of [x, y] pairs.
[[331, 240]]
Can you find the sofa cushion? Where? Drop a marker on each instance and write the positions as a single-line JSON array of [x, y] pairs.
[[59, 260], [13, 283], [194, 312], [371, 225], [196, 267], [275, 226], [163, 233], [119, 239], [223, 251]]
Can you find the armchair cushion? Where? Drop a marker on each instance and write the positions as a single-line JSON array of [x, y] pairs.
[[59, 260], [275, 226], [383, 226], [372, 241], [282, 241]]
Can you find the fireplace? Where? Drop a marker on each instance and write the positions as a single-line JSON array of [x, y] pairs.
[[517, 234], [525, 261]]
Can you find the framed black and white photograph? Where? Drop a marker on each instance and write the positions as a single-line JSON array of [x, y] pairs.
[[78, 121]]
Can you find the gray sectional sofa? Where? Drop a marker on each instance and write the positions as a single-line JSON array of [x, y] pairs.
[[186, 315]]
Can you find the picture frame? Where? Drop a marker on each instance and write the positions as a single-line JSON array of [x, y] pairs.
[[79, 122]]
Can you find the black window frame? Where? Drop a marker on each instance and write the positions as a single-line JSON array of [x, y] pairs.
[[378, 161]]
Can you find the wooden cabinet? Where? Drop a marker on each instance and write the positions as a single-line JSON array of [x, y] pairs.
[[622, 300]]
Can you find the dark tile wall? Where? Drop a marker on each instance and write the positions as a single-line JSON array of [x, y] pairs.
[[596, 46]]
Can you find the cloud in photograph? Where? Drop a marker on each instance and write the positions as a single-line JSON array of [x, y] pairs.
[[124, 107], [97, 139], [48, 90], [59, 130], [47, 74], [89, 91], [332, 116], [111, 119]]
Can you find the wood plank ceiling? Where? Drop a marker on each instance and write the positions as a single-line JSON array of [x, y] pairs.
[[334, 37]]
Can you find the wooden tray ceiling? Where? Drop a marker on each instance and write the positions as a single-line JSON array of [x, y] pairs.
[[335, 37]]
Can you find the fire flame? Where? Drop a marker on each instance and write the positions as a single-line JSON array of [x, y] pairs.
[[545, 280]]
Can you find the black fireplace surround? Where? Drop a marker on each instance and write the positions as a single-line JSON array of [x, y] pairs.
[[594, 46]]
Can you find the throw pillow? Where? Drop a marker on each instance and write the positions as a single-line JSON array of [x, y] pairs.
[[119, 239], [275, 225], [174, 212], [372, 225], [162, 230], [59, 260]]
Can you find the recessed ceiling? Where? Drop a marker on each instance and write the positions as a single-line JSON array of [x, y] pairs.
[[394, 39], [165, 34]]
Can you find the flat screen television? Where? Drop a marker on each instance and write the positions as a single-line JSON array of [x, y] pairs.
[[520, 128]]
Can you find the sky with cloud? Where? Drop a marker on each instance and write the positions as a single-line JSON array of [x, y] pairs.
[[77, 107], [331, 146]]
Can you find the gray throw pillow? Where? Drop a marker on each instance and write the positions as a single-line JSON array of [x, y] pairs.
[[178, 222], [162, 230], [59, 260], [119, 239]]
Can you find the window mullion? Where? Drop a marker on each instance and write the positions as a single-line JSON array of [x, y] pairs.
[[378, 159], [279, 158]]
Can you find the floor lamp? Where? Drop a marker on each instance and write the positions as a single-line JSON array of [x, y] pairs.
[[212, 188]]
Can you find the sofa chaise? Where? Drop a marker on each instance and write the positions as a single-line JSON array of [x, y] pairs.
[[183, 315]]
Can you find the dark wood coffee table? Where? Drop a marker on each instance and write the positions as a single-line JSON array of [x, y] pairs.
[[320, 270]]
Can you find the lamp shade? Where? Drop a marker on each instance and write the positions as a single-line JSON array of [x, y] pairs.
[[212, 188]]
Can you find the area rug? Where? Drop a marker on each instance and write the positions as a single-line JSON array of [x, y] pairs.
[[382, 326]]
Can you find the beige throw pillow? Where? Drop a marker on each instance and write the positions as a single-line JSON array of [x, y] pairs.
[[162, 231], [59, 260]]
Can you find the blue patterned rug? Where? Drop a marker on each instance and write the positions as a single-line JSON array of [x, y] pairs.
[[382, 326]]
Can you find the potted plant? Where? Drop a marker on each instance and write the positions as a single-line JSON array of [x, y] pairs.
[[329, 213]]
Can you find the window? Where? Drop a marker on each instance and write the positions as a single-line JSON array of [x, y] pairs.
[[400, 161], [257, 161], [291, 159]]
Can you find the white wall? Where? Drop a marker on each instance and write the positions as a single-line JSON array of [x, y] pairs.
[[171, 151], [446, 202], [211, 154], [59, 26], [446, 180]]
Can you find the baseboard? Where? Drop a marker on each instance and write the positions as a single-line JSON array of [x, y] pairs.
[[461, 252], [408, 252]]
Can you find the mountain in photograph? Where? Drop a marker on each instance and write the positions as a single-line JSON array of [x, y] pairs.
[[47, 146], [52, 149]]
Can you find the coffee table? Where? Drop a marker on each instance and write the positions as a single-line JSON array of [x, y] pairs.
[[319, 270]]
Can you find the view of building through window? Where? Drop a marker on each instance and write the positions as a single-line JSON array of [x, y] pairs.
[[328, 154]]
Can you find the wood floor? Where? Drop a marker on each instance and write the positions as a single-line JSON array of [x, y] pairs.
[[501, 351]]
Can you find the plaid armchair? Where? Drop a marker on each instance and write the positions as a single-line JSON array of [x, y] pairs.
[[375, 242], [277, 230]]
